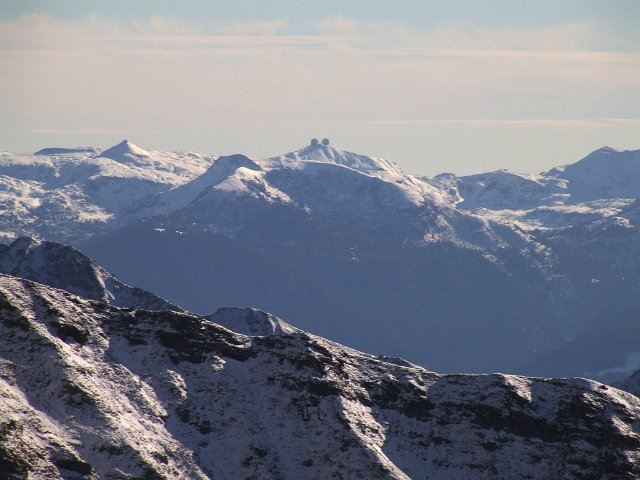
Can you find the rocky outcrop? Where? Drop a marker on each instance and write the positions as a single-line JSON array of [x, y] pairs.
[[64, 267], [94, 391]]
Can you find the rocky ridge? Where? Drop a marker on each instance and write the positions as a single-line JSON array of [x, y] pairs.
[[95, 391], [62, 266]]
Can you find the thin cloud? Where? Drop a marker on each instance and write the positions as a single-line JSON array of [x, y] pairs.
[[158, 25], [164, 75], [537, 122], [333, 36], [253, 28], [79, 131]]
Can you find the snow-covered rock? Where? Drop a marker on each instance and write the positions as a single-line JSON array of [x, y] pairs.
[[251, 321], [64, 267], [89, 390]]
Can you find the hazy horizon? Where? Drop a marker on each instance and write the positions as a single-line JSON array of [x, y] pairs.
[[436, 87]]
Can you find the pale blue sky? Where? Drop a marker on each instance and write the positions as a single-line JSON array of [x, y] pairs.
[[462, 86]]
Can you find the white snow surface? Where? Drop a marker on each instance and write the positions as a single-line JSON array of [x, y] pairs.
[[74, 193], [599, 185], [251, 321], [78, 193], [331, 184], [93, 391]]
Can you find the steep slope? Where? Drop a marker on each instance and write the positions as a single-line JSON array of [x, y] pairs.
[[61, 266], [99, 392]]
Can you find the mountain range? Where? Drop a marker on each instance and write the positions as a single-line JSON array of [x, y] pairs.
[[534, 274], [90, 390]]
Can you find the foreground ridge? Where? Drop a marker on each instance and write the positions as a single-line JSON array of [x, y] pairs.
[[94, 391]]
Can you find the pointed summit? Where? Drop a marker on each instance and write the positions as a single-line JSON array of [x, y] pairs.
[[125, 151]]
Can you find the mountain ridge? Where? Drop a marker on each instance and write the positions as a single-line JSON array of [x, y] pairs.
[[512, 266], [62, 266], [156, 394]]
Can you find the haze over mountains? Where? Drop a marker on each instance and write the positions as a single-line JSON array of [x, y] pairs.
[[495, 272], [533, 274], [89, 390]]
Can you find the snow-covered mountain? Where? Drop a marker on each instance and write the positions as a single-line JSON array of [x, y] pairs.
[[67, 194], [93, 391], [601, 184], [495, 271], [342, 242], [587, 214], [64, 267]]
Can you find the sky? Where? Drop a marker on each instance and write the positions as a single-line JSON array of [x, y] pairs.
[[460, 86]]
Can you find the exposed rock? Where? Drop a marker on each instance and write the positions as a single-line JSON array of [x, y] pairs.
[[64, 267], [90, 390]]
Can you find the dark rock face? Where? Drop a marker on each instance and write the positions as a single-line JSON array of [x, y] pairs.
[[120, 393], [61, 266]]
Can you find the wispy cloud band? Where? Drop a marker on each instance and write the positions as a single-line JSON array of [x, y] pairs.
[[527, 122]]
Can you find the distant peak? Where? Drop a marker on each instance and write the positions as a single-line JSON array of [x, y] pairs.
[[123, 151], [24, 243], [324, 152], [251, 321], [65, 151], [607, 149], [228, 164], [319, 149], [599, 155]]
